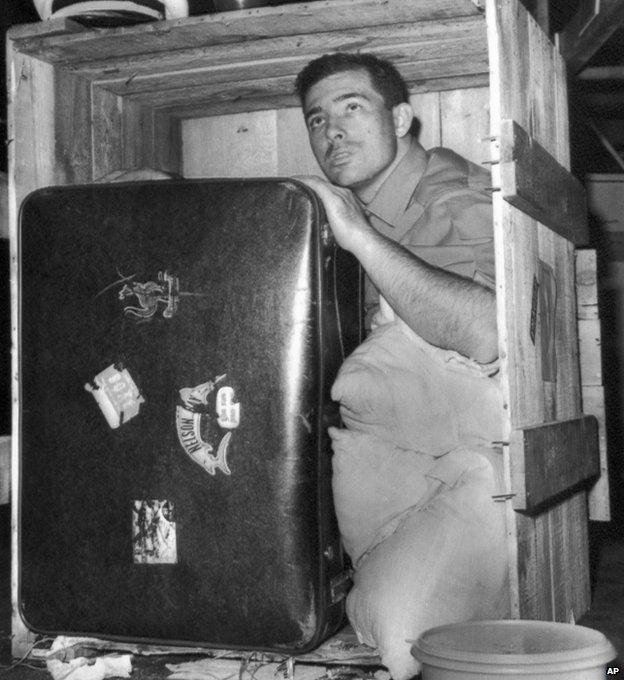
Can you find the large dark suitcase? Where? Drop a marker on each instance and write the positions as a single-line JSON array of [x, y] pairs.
[[178, 343]]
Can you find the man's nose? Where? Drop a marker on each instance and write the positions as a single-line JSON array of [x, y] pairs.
[[334, 130]]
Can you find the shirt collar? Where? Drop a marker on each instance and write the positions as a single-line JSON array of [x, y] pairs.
[[394, 195]]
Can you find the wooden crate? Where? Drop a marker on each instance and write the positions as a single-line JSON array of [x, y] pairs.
[[213, 96]]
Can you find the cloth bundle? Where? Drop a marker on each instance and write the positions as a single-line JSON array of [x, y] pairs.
[[414, 473]]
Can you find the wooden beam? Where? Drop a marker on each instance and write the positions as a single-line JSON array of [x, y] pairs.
[[534, 182], [617, 157], [229, 28], [602, 73], [588, 31], [220, 62], [5, 470], [235, 89], [204, 107], [4, 206], [418, 42], [550, 459], [592, 389]]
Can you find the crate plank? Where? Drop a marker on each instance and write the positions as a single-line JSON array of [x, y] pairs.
[[30, 90], [165, 139], [560, 109], [5, 470], [593, 393], [520, 83], [590, 351], [571, 560], [73, 123], [587, 284], [107, 133], [422, 42], [32, 158], [237, 145], [465, 122], [526, 390], [212, 107], [551, 458], [168, 94], [183, 61], [533, 181], [584, 34], [535, 567], [294, 154], [528, 86], [237, 26], [426, 107], [599, 495], [567, 347], [125, 135]]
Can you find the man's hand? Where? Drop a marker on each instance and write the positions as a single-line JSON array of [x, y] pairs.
[[445, 309], [346, 219]]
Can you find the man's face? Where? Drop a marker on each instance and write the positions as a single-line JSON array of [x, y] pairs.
[[351, 130]]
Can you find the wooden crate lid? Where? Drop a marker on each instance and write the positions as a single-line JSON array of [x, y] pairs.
[[206, 64]]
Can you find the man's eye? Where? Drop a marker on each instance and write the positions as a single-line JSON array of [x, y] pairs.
[[314, 122], [353, 106]]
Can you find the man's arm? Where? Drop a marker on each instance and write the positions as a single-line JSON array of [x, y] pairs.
[[443, 308]]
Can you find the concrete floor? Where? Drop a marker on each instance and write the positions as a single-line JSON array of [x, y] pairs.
[[606, 613]]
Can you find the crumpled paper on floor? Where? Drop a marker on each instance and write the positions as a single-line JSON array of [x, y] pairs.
[[230, 669], [62, 663], [224, 669]]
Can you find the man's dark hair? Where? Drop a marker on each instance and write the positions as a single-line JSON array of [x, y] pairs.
[[384, 75]]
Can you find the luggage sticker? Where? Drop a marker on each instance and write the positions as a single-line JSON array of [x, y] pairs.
[[228, 411], [142, 301], [198, 430], [149, 295], [116, 394], [154, 537]]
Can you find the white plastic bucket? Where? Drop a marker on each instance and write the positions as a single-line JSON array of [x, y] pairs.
[[535, 650]]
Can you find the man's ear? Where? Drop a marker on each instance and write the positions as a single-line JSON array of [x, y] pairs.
[[402, 114]]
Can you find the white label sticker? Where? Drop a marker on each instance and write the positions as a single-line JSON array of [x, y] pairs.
[[116, 394], [228, 411]]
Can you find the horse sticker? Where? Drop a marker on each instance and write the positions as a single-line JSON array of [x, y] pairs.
[[152, 296]]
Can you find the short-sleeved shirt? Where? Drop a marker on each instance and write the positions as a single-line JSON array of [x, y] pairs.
[[436, 204]]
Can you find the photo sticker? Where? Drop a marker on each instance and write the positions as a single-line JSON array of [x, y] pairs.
[[154, 532]]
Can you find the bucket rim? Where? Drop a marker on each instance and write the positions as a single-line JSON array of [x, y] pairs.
[[598, 648]]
